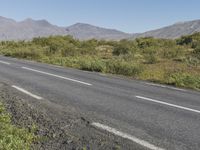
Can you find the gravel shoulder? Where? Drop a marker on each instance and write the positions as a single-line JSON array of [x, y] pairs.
[[58, 127]]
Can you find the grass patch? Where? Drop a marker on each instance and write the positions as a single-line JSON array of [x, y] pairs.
[[11, 136]]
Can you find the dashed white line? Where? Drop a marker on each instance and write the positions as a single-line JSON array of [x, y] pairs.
[[168, 104], [164, 86], [126, 136], [57, 76], [3, 62], [26, 92]]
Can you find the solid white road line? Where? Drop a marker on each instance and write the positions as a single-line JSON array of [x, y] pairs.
[[26, 92], [126, 136], [57, 76], [3, 62], [159, 85], [168, 104], [164, 86], [176, 89]]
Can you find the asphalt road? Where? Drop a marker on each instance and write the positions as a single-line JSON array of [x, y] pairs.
[[150, 115]]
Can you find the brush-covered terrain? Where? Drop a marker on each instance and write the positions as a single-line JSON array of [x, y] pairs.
[[173, 62]]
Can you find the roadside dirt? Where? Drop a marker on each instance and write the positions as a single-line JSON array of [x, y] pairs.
[[58, 127]]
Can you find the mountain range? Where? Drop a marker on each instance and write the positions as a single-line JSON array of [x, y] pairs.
[[29, 28], [174, 31]]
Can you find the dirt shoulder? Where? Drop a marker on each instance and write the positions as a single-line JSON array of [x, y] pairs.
[[58, 127]]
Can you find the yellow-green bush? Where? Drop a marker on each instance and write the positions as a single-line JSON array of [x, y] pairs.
[[123, 68], [184, 80], [91, 64]]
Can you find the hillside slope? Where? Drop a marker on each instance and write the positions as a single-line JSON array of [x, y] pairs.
[[29, 28], [174, 31]]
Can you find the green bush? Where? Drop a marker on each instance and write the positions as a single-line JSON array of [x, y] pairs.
[[172, 52], [150, 55], [25, 52], [123, 68], [184, 80], [196, 52], [189, 40], [121, 50], [185, 40], [90, 64], [192, 61]]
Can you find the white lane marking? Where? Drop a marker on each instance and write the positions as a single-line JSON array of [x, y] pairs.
[[126, 136], [3, 62], [159, 85], [26, 92], [168, 104], [176, 89], [102, 74], [57, 76], [164, 86]]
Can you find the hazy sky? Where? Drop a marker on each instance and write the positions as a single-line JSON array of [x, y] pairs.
[[126, 15]]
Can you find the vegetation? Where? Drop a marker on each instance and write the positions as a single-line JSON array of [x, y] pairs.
[[12, 137], [174, 62]]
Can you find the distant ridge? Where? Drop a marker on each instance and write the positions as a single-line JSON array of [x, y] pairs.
[[29, 28], [87, 31], [174, 31]]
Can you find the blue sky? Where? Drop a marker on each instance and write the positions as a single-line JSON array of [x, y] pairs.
[[126, 15]]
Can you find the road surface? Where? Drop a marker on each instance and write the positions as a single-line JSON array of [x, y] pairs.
[[150, 115]]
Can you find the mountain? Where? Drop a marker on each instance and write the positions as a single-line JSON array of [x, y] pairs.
[[86, 31], [174, 31], [29, 28]]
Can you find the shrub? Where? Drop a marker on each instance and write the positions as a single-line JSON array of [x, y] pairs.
[[185, 40], [150, 55], [196, 52], [123, 68], [91, 64], [121, 50], [184, 80], [192, 61], [172, 52], [24, 52]]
